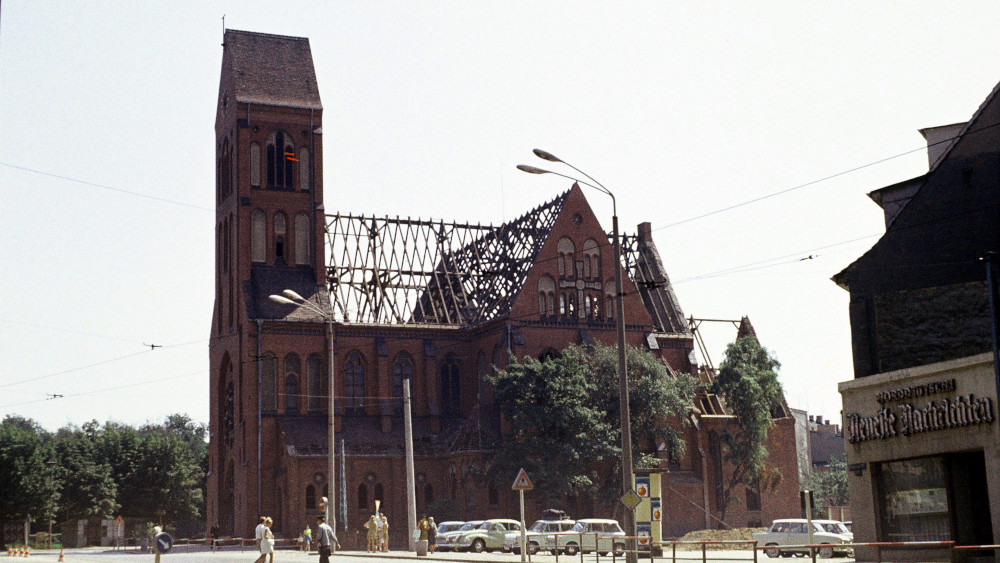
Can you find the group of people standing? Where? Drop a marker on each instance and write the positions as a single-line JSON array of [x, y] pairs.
[[378, 533], [428, 531]]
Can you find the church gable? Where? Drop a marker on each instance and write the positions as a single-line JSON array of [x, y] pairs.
[[572, 276]]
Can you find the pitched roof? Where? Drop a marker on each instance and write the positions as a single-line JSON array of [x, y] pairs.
[[270, 69], [949, 223]]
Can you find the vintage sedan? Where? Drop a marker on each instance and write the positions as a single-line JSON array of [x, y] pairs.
[[535, 535], [487, 537], [446, 540], [795, 532]]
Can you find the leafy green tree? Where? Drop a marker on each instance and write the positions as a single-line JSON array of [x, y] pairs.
[[829, 484], [87, 486], [28, 481], [564, 418], [556, 431], [748, 381]]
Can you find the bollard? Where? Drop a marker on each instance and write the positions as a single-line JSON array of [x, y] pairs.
[[704, 555]]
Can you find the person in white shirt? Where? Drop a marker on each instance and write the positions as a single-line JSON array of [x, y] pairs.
[[260, 534], [326, 539]]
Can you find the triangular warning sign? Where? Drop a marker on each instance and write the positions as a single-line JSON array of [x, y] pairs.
[[522, 482]]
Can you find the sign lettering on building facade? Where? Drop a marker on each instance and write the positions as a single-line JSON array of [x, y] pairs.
[[906, 419]]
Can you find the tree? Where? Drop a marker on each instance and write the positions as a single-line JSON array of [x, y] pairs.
[[28, 481], [87, 486], [748, 381], [564, 418], [829, 484], [556, 432]]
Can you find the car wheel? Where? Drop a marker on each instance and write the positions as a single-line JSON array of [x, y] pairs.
[[771, 550], [572, 549], [799, 554], [477, 546], [826, 552], [532, 548], [619, 549]]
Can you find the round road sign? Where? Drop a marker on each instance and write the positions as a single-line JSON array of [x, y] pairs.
[[163, 542]]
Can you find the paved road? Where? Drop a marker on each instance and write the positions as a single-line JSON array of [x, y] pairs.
[[199, 555]]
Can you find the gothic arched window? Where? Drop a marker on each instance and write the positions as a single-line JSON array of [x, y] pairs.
[[362, 497], [280, 229], [546, 296], [451, 401], [354, 382], [566, 248], [303, 169], [591, 260], [280, 156], [254, 165], [310, 497]]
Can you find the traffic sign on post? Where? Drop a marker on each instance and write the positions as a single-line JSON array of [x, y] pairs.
[[522, 482]]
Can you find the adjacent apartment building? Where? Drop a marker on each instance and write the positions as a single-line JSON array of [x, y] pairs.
[[919, 418]]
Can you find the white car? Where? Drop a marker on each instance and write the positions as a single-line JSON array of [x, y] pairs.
[[535, 535], [587, 535], [445, 541], [794, 532]]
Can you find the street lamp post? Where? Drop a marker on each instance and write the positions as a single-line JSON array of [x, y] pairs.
[[627, 473], [289, 297]]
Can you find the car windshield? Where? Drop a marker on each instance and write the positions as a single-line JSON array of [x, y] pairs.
[[538, 526], [484, 526], [468, 526], [579, 527], [447, 528]]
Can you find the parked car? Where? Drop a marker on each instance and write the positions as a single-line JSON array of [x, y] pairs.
[[589, 534], [445, 540], [487, 537], [535, 535], [442, 528], [794, 531]]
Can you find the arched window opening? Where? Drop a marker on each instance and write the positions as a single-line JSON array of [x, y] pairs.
[[280, 228], [268, 383], [362, 497], [450, 388], [310, 497], [402, 368], [588, 306], [354, 382], [609, 299], [302, 250], [379, 494], [258, 236], [314, 385], [255, 165], [428, 494], [566, 249], [291, 394], [592, 259], [562, 305], [280, 156], [546, 294]]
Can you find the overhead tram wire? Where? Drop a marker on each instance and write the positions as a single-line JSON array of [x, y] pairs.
[[814, 182]]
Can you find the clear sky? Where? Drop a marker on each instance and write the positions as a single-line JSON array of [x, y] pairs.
[[681, 108]]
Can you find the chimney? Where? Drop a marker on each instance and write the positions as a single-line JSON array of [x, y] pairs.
[[939, 140], [645, 231], [812, 418], [819, 419]]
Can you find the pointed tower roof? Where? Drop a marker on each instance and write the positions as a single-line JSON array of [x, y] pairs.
[[270, 69]]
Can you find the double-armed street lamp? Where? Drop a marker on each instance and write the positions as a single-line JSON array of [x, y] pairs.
[[627, 471], [289, 297]]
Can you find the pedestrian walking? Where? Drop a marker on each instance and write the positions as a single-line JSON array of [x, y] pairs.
[[259, 535], [214, 534], [268, 542], [306, 538], [372, 526], [326, 540], [432, 534]]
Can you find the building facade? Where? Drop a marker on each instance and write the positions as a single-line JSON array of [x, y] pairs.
[[438, 304], [920, 416]]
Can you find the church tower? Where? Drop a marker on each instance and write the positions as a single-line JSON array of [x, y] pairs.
[[269, 237]]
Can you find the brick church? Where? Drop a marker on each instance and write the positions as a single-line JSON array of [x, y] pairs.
[[391, 299]]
